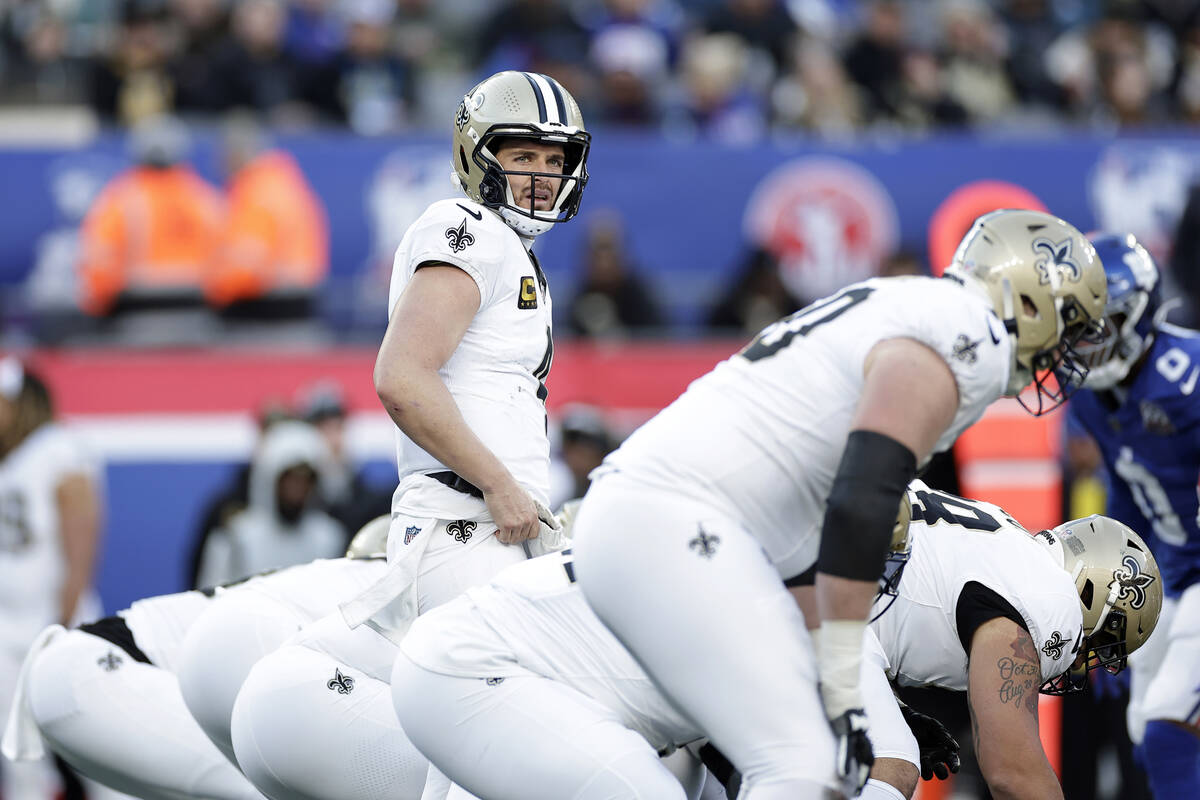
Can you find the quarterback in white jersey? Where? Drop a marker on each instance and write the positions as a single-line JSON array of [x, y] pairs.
[[461, 372], [106, 696], [793, 455]]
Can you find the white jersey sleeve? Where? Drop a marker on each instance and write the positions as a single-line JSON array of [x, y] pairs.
[[956, 542], [456, 232]]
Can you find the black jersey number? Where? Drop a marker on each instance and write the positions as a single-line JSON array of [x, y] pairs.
[[934, 507], [15, 535], [779, 334]]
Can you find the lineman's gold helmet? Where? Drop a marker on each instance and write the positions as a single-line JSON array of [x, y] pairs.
[[1046, 284], [371, 539], [1120, 593]]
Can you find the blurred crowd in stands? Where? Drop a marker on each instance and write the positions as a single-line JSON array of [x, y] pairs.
[[728, 69]]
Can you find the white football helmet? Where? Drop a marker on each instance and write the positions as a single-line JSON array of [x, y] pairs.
[[524, 105]]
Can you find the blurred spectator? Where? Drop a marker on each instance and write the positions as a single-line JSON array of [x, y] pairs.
[[233, 498], [314, 33], [40, 67], [717, 102], [202, 27], [757, 298], [132, 80], [902, 262], [50, 519], [349, 499], [373, 87], [973, 58], [920, 100], [151, 236], [282, 523], [763, 25], [1032, 28], [816, 94], [1187, 77], [275, 252], [254, 71], [1127, 92], [585, 439], [529, 35], [612, 300], [873, 59], [633, 48]]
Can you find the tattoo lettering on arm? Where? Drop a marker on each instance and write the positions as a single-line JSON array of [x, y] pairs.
[[1020, 674]]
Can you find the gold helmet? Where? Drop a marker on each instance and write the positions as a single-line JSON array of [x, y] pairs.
[[524, 105], [898, 554], [1120, 592], [1046, 284], [371, 539]]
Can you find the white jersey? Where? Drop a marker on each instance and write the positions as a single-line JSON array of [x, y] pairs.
[[160, 624], [533, 618], [32, 567], [761, 436], [956, 542], [496, 373]]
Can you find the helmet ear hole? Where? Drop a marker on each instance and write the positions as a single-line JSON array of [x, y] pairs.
[[1029, 307], [1086, 596], [462, 158]]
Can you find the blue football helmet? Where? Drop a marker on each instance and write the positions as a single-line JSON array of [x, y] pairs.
[[1133, 312]]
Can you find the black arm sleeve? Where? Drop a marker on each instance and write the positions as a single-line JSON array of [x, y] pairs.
[[861, 510], [978, 604]]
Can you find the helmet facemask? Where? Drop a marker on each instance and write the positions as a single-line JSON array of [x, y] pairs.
[[899, 552], [1059, 371]]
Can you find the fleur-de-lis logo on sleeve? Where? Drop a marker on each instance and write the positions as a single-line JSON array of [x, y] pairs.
[[1054, 646], [459, 238]]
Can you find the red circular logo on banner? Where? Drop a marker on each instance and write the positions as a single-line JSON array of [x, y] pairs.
[[828, 221]]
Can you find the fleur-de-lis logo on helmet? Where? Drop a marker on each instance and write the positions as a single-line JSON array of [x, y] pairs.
[[1133, 582], [1055, 255], [459, 238]]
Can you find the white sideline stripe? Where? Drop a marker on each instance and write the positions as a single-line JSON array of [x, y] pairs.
[[210, 437], [231, 436], [1031, 473]]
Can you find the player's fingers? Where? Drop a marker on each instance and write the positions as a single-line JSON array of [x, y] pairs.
[[940, 770]]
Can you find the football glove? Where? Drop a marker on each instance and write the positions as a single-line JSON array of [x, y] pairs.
[[854, 754], [939, 750]]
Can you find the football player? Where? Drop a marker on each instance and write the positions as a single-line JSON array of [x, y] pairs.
[[461, 371], [50, 510], [810, 435], [517, 690], [1138, 406], [106, 698]]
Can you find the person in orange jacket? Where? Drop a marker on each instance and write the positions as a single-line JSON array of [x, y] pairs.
[[276, 241], [152, 233]]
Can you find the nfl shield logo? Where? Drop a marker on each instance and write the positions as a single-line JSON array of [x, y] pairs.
[[410, 533]]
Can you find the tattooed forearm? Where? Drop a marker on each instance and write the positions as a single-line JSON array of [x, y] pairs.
[[1020, 675]]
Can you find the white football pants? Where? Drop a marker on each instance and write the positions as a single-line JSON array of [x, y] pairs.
[[124, 724], [298, 739], [711, 622]]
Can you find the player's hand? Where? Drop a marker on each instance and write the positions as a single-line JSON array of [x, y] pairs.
[[939, 750], [854, 754], [514, 513]]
